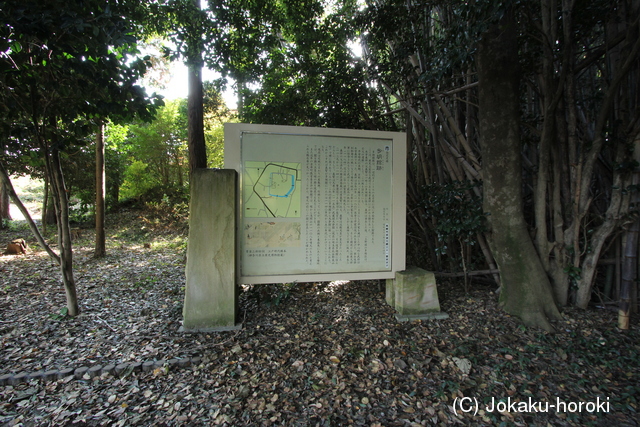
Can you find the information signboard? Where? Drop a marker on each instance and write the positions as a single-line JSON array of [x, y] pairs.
[[317, 204]]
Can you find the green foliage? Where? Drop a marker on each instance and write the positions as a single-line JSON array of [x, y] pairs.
[[151, 158], [63, 314], [155, 154], [78, 62], [170, 210], [215, 114], [116, 154], [65, 67], [455, 213], [14, 225], [81, 213], [293, 64], [574, 274], [214, 139], [79, 170], [137, 181], [188, 27]]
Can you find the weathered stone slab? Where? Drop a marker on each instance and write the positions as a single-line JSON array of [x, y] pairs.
[[79, 372], [5, 379], [414, 295], [64, 373], [211, 302]]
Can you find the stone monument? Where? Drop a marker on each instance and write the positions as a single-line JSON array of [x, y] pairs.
[[210, 302]]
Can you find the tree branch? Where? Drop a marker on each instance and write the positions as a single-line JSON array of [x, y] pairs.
[[4, 180]]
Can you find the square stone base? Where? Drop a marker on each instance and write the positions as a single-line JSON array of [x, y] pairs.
[[414, 295]]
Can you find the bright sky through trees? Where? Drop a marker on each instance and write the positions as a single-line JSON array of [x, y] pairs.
[[177, 86]]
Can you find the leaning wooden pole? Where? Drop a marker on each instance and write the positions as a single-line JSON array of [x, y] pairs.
[[4, 179], [630, 257]]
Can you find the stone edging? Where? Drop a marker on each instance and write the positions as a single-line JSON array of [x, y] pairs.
[[98, 370]]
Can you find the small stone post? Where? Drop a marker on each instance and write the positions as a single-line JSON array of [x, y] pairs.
[[210, 301], [414, 295]]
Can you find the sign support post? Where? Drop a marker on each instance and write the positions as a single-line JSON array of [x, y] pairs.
[[414, 295]]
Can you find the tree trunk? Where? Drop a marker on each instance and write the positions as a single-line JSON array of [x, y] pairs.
[[629, 270], [45, 203], [48, 209], [611, 114], [526, 290], [115, 194], [241, 87], [197, 147], [50, 217], [100, 248], [4, 205], [61, 203], [630, 263]]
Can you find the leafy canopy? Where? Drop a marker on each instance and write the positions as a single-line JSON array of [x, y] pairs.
[[71, 62]]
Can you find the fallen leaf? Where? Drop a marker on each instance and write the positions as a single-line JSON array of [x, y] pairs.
[[463, 364]]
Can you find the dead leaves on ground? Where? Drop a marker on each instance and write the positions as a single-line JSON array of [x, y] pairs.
[[327, 354]]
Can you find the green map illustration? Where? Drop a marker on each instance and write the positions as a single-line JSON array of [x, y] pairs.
[[271, 190]]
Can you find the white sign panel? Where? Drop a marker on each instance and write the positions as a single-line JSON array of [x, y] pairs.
[[316, 203]]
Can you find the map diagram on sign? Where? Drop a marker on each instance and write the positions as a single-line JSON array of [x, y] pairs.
[[272, 235], [271, 190]]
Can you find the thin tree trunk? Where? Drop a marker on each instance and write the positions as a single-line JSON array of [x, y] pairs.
[[61, 203], [488, 256], [617, 209], [197, 147], [630, 263], [51, 210], [241, 86], [5, 214], [195, 100], [526, 290], [629, 271], [45, 203], [100, 248]]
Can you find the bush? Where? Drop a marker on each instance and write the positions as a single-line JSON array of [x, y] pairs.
[[454, 215], [137, 181]]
